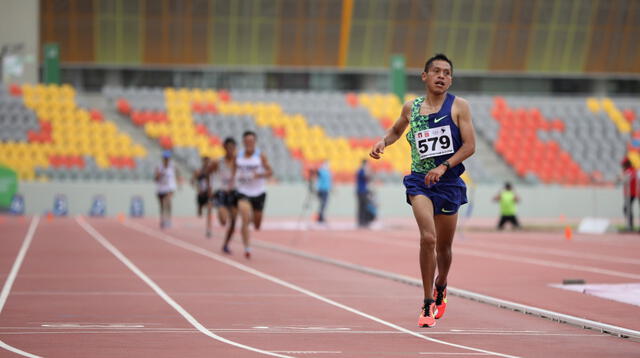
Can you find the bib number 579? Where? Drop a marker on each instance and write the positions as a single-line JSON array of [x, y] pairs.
[[423, 144], [434, 142]]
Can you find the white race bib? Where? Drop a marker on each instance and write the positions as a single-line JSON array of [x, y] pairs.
[[434, 142]]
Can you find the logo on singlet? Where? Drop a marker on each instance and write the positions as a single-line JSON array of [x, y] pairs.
[[439, 119]]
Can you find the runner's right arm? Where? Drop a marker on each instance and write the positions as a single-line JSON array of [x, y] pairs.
[[157, 175], [393, 133], [232, 180]]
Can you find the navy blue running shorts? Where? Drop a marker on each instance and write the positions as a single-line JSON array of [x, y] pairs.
[[446, 195]]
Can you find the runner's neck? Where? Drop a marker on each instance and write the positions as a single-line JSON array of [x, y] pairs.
[[435, 100]]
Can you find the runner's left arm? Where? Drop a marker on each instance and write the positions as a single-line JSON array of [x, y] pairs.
[[267, 167], [467, 132]]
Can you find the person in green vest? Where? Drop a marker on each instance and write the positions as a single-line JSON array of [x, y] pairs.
[[508, 211]]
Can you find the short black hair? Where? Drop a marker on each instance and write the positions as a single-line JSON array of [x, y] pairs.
[[507, 185], [248, 133], [438, 57], [229, 140]]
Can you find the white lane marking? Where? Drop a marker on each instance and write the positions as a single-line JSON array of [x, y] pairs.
[[76, 325], [557, 252], [530, 310], [521, 259], [17, 350], [18, 262], [120, 256], [518, 259], [239, 266], [12, 277], [530, 249], [494, 331], [451, 354], [318, 328], [20, 331], [310, 352]]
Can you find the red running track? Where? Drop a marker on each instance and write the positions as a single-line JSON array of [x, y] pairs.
[[513, 266], [73, 297]]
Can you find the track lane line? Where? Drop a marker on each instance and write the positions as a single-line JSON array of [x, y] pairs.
[[199, 250], [8, 284], [505, 257], [533, 248], [539, 312], [160, 292], [557, 252]]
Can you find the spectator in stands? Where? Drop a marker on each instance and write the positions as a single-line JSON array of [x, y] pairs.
[[508, 200], [323, 188], [363, 177], [629, 188], [167, 178]]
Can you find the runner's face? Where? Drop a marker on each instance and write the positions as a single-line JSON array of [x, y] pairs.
[[439, 77], [230, 149], [249, 143]]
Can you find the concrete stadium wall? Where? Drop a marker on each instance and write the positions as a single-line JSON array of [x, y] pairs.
[[287, 200], [20, 24]]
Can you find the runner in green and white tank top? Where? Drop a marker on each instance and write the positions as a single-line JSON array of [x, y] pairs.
[[440, 137]]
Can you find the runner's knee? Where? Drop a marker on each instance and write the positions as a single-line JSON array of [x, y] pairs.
[[427, 239], [443, 250]]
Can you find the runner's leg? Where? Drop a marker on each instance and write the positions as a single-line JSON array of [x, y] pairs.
[[423, 211], [167, 208], [233, 213], [209, 210], [257, 219], [244, 208], [223, 211], [161, 203], [223, 215], [445, 231]]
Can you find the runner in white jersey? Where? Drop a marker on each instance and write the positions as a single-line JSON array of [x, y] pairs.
[[250, 173], [225, 196], [166, 177]]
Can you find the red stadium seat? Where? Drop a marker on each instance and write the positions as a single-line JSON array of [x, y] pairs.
[[15, 90], [96, 115]]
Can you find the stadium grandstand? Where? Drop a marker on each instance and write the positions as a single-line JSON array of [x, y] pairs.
[[131, 78], [220, 178]]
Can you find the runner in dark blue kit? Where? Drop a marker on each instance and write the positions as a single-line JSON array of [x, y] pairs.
[[441, 136]]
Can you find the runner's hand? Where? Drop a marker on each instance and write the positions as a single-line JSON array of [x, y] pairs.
[[433, 176], [377, 150]]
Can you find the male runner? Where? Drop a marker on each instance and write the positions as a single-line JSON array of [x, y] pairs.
[[251, 171], [166, 177], [225, 199], [441, 136], [201, 181]]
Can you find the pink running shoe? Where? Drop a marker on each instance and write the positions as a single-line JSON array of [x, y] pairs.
[[427, 319]]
